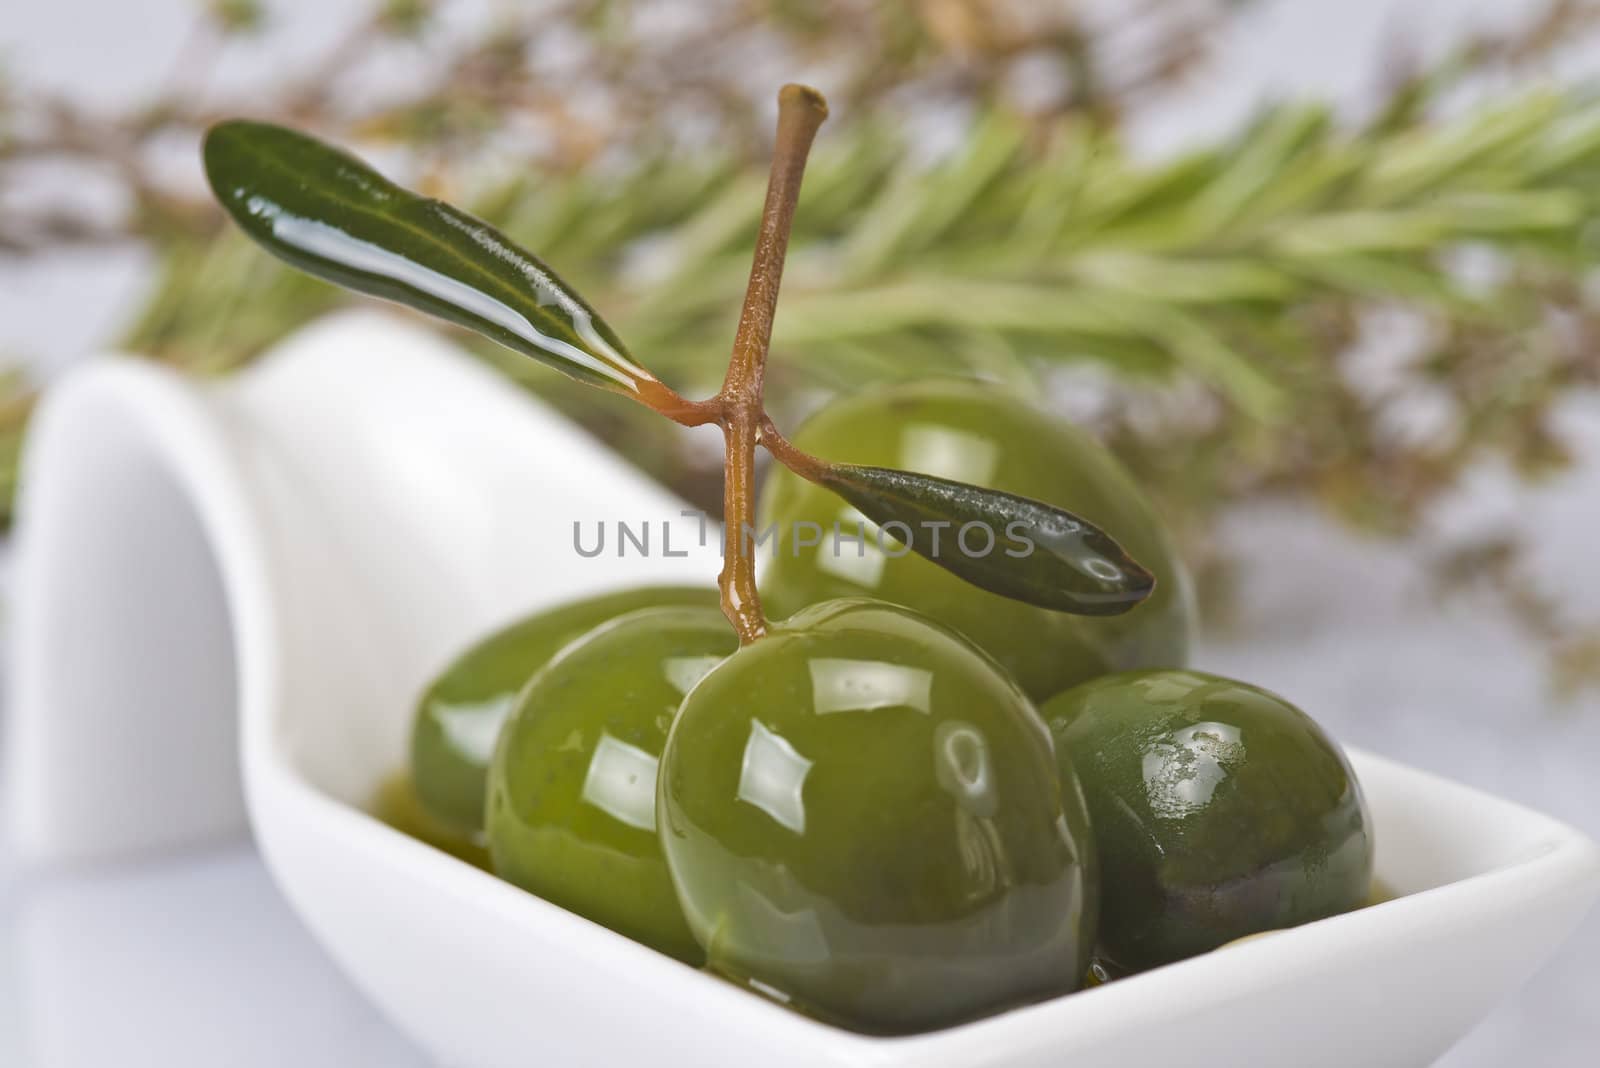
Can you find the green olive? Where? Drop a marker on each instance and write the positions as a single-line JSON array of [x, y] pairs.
[[864, 820], [984, 435], [458, 719], [572, 788], [1221, 811]]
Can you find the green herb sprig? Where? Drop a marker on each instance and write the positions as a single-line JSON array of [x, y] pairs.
[[1220, 296]]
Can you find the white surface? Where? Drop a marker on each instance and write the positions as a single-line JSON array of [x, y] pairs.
[[1445, 686], [195, 961]]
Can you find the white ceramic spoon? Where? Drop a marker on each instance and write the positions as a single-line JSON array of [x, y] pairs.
[[301, 547]]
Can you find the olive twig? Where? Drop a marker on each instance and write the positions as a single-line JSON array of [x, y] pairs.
[[664, 400], [801, 111], [811, 468], [333, 216]]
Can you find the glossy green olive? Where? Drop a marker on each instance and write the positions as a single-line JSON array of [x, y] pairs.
[[572, 789], [984, 435], [1221, 810], [458, 719], [863, 819]]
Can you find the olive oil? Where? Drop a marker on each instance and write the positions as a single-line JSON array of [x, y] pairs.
[[397, 805]]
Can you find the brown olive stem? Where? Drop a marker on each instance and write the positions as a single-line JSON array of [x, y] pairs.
[[800, 112], [811, 468], [660, 397]]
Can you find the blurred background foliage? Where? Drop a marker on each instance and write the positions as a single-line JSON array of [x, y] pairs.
[[1352, 312]]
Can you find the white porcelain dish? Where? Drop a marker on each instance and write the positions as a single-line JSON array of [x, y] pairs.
[[186, 551], [485, 975]]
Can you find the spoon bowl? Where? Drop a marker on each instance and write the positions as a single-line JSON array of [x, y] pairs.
[[251, 582]]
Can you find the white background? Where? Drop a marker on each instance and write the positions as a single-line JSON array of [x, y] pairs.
[[195, 960]]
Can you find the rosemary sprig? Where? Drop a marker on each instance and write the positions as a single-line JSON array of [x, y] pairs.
[[1220, 296]]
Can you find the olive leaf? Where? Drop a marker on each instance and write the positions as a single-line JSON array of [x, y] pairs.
[[1014, 546], [329, 214]]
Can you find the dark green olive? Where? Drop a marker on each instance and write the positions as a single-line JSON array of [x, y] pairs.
[[983, 435], [863, 819], [572, 789], [1221, 811], [459, 717]]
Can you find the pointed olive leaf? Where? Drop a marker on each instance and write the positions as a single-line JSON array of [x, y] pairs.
[[329, 214], [1013, 546]]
